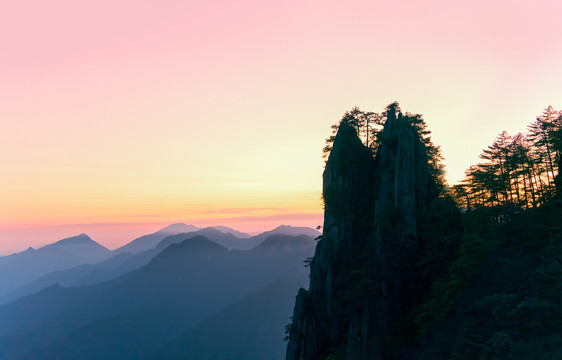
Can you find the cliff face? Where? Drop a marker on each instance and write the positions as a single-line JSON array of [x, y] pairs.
[[358, 288]]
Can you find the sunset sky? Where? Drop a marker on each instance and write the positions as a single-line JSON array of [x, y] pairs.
[[120, 117]]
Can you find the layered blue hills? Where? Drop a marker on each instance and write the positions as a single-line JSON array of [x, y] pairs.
[[176, 292]]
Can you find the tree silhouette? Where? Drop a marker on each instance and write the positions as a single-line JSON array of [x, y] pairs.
[[369, 125], [518, 171]]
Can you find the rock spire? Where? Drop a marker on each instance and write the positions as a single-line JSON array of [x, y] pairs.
[[357, 285]]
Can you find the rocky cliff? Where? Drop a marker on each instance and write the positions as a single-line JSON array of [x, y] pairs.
[[361, 278]]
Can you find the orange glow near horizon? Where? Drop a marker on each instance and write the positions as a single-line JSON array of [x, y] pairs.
[[116, 234], [115, 221]]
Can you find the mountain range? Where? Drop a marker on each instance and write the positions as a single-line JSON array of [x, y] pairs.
[[140, 252], [157, 299], [20, 268]]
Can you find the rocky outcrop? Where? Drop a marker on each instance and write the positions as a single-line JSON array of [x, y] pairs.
[[358, 287], [402, 175]]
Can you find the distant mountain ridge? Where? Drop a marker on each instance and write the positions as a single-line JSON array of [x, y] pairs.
[[226, 229], [121, 262], [74, 240], [282, 230], [148, 242], [240, 240], [134, 315], [20, 268]]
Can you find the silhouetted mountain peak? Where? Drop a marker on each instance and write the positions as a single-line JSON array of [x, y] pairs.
[[81, 239], [26, 266], [228, 230], [198, 242], [187, 251], [175, 243], [178, 228], [227, 240], [213, 231], [150, 241], [289, 230]]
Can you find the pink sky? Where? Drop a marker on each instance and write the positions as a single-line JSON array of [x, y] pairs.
[[136, 114]]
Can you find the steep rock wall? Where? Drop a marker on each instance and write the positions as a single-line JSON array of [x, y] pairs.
[[356, 285]]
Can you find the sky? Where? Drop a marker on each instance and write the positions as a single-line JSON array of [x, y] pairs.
[[120, 117]]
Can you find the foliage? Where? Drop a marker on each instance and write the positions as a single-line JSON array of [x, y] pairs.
[[366, 124], [288, 329], [519, 171], [485, 279], [502, 297], [369, 125]]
